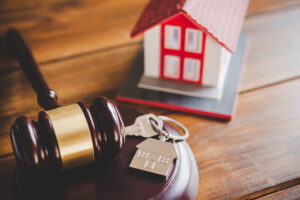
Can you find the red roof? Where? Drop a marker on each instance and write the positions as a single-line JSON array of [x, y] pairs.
[[222, 19]]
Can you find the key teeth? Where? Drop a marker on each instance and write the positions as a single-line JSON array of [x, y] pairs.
[[134, 134]]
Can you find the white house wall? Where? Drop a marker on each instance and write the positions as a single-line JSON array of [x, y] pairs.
[[212, 62], [152, 51], [225, 60]]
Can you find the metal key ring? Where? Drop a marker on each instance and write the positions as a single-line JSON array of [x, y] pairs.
[[166, 133]]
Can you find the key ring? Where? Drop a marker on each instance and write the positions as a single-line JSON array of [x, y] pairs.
[[166, 133]]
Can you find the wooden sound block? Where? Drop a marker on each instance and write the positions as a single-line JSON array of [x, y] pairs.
[[113, 179]]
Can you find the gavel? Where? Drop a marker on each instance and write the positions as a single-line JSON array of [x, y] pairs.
[[64, 137]]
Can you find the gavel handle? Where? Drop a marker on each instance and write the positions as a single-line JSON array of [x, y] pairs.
[[46, 97]]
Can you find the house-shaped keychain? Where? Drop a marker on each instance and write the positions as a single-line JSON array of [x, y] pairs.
[[193, 55], [154, 156]]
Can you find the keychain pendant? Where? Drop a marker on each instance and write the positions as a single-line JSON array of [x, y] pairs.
[[154, 156]]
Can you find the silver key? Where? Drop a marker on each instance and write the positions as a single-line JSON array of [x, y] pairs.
[[143, 127]]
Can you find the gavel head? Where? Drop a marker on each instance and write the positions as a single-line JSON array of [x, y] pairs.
[[69, 136]]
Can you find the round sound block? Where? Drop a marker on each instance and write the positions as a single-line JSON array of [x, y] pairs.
[[113, 179]]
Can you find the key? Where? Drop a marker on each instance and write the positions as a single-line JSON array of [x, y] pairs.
[[143, 127]]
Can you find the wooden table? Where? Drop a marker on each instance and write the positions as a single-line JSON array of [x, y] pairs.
[[84, 50]]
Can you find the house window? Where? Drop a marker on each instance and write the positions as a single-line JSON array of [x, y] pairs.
[[172, 37], [171, 69], [143, 154], [163, 159], [191, 69], [193, 40]]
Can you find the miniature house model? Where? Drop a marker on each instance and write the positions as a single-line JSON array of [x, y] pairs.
[[192, 57], [188, 44], [154, 157]]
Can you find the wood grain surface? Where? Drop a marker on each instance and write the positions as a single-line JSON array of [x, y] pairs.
[[84, 50], [256, 150], [53, 31], [290, 193]]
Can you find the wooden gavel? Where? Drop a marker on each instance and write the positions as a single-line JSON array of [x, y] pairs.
[[63, 137]]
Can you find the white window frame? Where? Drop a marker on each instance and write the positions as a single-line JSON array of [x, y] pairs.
[[165, 67], [197, 43], [168, 37], [198, 67]]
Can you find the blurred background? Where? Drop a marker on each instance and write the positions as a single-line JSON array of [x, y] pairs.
[[84, 50]]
